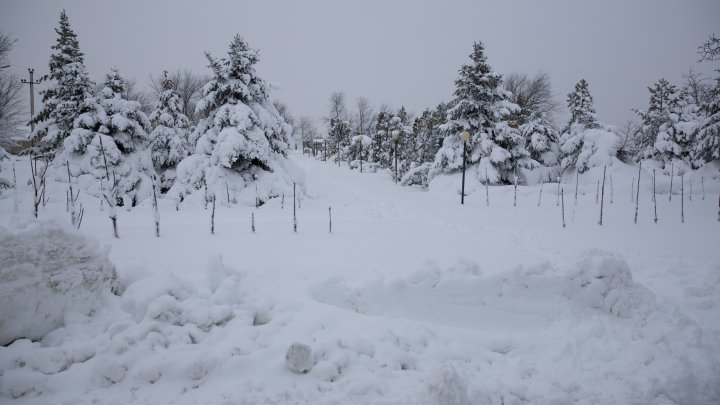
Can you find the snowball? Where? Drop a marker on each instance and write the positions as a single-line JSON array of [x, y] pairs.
[[299, 358], [49, 271]]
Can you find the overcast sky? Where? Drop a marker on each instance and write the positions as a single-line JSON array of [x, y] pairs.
[[396, 52]]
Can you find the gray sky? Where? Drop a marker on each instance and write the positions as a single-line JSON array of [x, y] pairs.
[[397, 52]]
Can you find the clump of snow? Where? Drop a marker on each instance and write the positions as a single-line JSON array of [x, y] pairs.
[[604, 281], [448, 388], [48, 271], [299, 358]]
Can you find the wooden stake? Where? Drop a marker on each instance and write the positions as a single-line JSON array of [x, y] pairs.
[[562, 202], [654, 199], [682, 198], [637, 195], [602, 197], [540, 195]]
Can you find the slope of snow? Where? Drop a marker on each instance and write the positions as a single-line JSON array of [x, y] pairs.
[[412, 298]]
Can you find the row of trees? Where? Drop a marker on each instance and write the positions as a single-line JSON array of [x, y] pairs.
[[511, 129], [96, 130]]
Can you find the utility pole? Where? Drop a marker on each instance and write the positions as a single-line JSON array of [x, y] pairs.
[[32, 84]]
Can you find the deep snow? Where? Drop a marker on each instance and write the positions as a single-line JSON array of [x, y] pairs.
[[411, 299]]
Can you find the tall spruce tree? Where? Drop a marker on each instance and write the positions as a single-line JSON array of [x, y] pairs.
[[244, 129], [582, 118], [119, 144], [479, 106], [381, 140], [339, 138], [244, 137], [67, 98], [169, 141], [663, 100]]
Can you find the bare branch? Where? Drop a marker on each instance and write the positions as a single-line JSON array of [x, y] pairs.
[[710, 49]]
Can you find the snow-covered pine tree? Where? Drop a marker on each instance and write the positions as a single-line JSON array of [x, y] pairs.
[[707, 144], [380, 140], [541, 138], [663, 98], [479, 106], [66, 99], [580, 104], [582, 118], [123, 128], [675, 136], [169, 141], [244, 139], [339, 138]]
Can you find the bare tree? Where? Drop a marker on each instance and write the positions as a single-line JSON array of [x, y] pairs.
[[363, 116], [188, 85], [696, 87], [533, 95], [132, 92], [337, 106], [626, 146], [11, 106], [307, 130], [710, 49]]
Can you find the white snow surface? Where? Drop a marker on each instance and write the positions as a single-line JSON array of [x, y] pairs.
[[49, 271], [412, 299]]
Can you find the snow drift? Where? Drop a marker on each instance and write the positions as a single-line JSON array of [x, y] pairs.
[[49, 271]]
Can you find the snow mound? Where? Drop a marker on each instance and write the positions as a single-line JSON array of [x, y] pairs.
[[448, 388], [161, 327], [49, 271], [524, 299], [604, 281]]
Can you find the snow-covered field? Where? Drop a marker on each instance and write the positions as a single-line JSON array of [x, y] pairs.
[[412, 299]]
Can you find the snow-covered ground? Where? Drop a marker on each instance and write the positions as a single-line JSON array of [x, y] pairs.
[[412, 299]]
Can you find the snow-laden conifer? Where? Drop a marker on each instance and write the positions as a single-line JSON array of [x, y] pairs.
[[65, 97], [479, 107], [169, 140], [244, 138]]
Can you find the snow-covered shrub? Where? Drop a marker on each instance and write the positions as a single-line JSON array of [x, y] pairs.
[[417, 175], [584, 148], [299, 358], [49, 270]]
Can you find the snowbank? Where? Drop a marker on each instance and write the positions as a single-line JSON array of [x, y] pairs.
[[49, 271]]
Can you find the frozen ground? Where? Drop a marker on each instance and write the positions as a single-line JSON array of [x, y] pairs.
[[411, 299]]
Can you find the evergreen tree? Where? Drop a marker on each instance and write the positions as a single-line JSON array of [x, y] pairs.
[[67, 98], [126, 123], [663, 100], [244, 137], [169, 142], [244, 129], [480, 104], [707, 145], [677, 134], [339, 138], [541, 138], [580, 104], [381, 140], [582, 118], [429, 133], [123, 132]]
